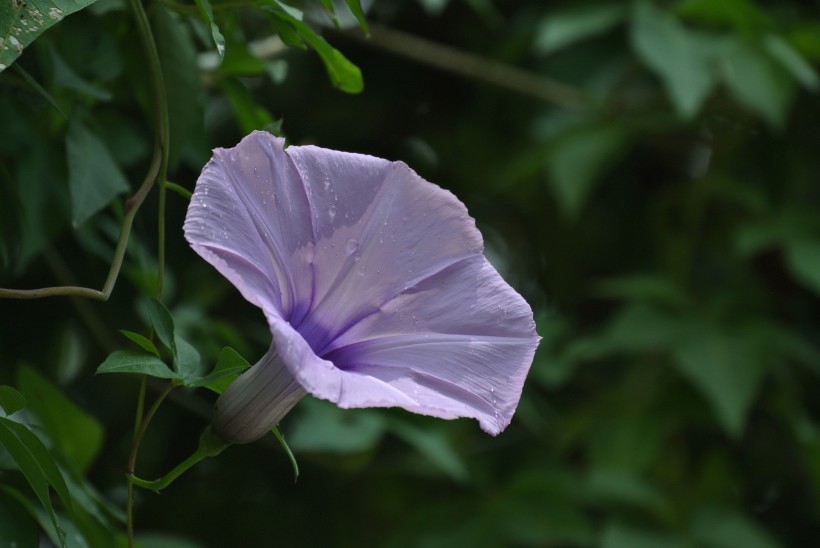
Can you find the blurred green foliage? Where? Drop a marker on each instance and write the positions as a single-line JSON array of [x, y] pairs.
[[660, 214]]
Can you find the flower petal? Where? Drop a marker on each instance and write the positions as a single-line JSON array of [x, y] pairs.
[[372, 279], [322, 237], [457, 344], [389, 228], [250, 217]]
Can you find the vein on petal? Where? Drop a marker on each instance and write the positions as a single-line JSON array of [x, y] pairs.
[[314, 233], [423, 277], [269, 243]]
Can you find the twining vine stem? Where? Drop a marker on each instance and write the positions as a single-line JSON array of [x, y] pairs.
[[162, 143], [131, 206], [157, 172]]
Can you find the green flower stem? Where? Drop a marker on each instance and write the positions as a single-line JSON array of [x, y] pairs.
[[210, 445]]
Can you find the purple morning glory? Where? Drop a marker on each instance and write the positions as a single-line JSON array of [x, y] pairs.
[[373, 282]]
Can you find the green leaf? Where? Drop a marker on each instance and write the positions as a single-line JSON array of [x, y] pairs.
[[638, 328], [758, 83], [287, 33], [136, 361], [162, 323], [724, 528], [165, 540], [322, 428], [278, 72], [578, 160], [791, 61], [623, 488], [178, 57], [434, 445], [44, 204], [11, 400], [727, 369], [805, 36], [250, 115], [93, 514], [645, 288], [619, 535], [228, 366], [140, 341], [573, 24], [753, 238], [355, 7], [240, 61], [434, 7], [39, 89], [65, 76], [742, 15], [803, 260], [187, 361], [77, 435], [38, 467], [343, 74], [21, 22], [680, 58], [17, 527], [287, 9], [331, 11], [539, 506], [207, 13], [94, 178]]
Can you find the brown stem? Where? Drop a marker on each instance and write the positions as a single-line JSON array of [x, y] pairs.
[[473, 66]]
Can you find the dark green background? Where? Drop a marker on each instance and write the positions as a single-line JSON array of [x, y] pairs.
[[666, 233]]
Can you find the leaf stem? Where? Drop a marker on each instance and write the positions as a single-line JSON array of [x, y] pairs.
[[179, 189]]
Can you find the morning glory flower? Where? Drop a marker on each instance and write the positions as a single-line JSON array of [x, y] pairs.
[[373, 283]]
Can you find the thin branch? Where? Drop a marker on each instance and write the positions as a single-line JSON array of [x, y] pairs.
[[131, 206], [143, 425], [467, 64]]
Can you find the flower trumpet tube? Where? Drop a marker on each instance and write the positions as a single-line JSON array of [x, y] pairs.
[[373, 283]]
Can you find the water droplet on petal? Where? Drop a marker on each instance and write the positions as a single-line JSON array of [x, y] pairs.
[[352, 246], [331, 212]]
